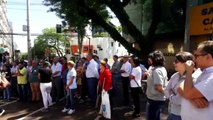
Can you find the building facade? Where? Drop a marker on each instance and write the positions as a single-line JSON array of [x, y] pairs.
[[104, 47], [5, 27]]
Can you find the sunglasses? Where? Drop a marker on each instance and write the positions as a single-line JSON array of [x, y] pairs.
[[176, 61]]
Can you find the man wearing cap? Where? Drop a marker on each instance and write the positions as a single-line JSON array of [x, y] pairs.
[[92, 76], [125, 72]]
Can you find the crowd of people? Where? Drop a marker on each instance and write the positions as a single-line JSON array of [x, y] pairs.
[[188, 90]]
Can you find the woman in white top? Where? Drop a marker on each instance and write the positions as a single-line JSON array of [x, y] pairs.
[[135, 85], [175, 80], [71, 88], [156, 82]]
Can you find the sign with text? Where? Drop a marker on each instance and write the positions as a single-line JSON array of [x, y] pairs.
[[201, 20], [85, 48]]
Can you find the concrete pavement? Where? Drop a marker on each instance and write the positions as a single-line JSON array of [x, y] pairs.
[[32, 111]]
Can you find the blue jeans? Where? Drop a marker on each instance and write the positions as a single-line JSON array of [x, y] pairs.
[[92, 89], [174, 117], [6, 93], [22, 90], [116, 80], [70, 101], [153, 108]]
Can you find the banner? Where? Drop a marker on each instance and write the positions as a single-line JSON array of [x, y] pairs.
[[201, 20]]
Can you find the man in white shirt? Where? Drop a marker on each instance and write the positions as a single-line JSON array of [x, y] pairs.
[[56, 80], [92, 77], [198, 98], [125, 72]]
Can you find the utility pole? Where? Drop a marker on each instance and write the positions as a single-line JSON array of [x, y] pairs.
[[12, 42], [186, 35], [28, 32]]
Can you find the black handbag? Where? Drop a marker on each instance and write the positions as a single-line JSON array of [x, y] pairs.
[[139, 88]]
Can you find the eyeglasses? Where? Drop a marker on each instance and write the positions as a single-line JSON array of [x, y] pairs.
[[201, 54]]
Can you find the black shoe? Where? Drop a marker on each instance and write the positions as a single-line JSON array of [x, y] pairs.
[[45, 110], [135, 115]]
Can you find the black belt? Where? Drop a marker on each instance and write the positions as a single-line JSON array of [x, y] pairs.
[[56, 76]]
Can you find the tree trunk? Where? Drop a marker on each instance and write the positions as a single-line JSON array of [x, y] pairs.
[[92, 14], [80, 39]]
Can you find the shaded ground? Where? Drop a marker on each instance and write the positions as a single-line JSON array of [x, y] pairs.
[[31, 111]]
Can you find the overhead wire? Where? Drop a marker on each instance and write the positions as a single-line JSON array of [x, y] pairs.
[[24, 9], [18, 4], [22, 3]]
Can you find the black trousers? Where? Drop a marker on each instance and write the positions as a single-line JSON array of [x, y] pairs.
[[84, 90], [57, 88], [136, 99], [125, 83]]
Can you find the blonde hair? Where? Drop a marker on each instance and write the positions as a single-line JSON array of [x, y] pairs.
[[103, 63], [70, 63]]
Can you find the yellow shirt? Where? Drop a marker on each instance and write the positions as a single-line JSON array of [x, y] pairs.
[[22, 79]]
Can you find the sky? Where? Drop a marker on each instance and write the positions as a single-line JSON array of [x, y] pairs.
[[38, 16], [39, 19]]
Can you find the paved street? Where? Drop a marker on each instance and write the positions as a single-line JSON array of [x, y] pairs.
[[31, 111]]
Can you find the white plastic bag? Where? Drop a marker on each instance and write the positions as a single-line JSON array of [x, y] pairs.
[[105, 105]]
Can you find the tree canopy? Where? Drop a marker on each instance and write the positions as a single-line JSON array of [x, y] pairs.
[[96, 11], [50, 43]]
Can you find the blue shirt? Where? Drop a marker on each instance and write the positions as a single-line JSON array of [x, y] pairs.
[[143, 69], [72, 73]]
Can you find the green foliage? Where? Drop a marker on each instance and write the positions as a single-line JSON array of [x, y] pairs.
[[23, 56], [52, 41], [101, 34], [159, 16], [172, 17]]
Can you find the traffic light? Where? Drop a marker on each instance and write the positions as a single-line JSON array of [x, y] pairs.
[[58, 28]]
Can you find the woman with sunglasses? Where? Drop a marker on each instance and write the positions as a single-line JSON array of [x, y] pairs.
[[176, 79]]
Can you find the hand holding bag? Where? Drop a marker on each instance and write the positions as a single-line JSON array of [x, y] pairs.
[[105, 103], [4, 83], [98, 99]]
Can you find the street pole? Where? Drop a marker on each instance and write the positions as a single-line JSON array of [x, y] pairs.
[[12, 42], [89, 46], [186, 35], [28, 32]]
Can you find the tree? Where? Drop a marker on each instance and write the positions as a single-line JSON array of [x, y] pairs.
[[92, 10], [50, 43]]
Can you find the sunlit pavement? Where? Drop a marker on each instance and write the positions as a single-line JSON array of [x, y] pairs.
[[32, 111]]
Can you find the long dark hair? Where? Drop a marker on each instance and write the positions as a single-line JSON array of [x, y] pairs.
[[136, 61], [157, 58]]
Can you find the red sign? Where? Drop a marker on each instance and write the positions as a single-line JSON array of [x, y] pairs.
[[85, 48]]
